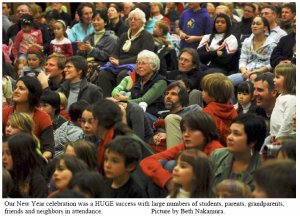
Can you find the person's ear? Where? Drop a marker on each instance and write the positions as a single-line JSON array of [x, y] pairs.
[[131, 167]]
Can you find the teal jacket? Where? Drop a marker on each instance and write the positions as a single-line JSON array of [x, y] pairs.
[[222, 160]]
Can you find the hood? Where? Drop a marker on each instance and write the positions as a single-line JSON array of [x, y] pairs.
[[222, 111]]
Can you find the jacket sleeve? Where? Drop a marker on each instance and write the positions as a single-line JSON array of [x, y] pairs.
[[154, 170], [104, 48], [277, 55]]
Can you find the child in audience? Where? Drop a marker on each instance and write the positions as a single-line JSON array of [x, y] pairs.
[[192, 175], [25, 166], [63, 105], [86, 123], [35, 62], [231, 188], [120, 159], [26, 37], [61, 44], [160, 31], [66, 166], [281, 121], [275, 179], [246, 103], [216, 92]]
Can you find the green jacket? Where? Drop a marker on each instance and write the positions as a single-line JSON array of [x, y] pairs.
[[222, 160]]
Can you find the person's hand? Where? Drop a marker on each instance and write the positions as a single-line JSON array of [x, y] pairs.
[[182, 35], [43, 78], [246, 73], [114, 61], [87, 46], [120, 97], [219, 53], [191, 39]]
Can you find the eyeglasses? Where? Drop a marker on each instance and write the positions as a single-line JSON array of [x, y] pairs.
[[141, 63], [134, 19], [83, 120]]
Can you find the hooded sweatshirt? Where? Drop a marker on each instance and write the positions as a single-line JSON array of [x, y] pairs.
[[223, 115]]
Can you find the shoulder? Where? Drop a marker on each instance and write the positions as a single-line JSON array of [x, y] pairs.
[[219, 153]]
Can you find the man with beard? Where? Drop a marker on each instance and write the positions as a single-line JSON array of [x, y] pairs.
[[176, 102]]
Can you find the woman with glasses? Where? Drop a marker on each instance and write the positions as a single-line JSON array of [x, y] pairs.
[[123, 60]]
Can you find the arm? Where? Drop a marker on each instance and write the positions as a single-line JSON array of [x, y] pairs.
[[154, 170], [153, 93], [104, 48], [121, 87], [16, 45], [47, 142]]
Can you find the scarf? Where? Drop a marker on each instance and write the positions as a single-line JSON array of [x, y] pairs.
[[101, 148], [127, 44]]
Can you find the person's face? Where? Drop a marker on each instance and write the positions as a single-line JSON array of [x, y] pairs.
[[22, 9], [263, 95], [286, 15], [183, 173], [126, 8], [51, 68], [192, 138], [48, 109], [185, 62], [244, 98], [258, 26], [26, 28], [194, 5], [62, 176], [98, 23], [223, 194], [7, 160], [237, 139], [155, 8], [143, 68], [171, 98], [135, 22], [11, 129], [87, 122], [56, 6], [206, 97], [70, 151], [259, 192], [71, 73], [269, 15], [5, 9], [114, 165], [220, 25], [211, 10], [58, 30], [248, 12], [279, 82], [87, 14], [20, 93], [33, 61], [157, 31], [112, 13]]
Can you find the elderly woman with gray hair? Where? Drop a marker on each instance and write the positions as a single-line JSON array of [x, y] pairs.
[[130, 44], [149, 86]]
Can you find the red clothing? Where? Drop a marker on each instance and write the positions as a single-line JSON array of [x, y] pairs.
[[40, 118], [101, 149], [223, 115], [63, 47], [23, 40], [154, 170]]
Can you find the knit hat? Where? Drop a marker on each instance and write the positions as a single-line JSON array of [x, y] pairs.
[[35, 50], [26, 19]]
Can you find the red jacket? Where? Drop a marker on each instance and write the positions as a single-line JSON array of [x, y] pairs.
[[154, 170], [223, 115]]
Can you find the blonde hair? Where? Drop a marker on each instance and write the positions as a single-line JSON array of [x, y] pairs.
[[63, 100], [288, 71], [24, 123], [234, 189], [218, 86]]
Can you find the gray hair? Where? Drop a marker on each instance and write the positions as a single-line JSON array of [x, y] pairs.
[[153, 59], [140, 14]]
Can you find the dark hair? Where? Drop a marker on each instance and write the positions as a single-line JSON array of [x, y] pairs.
[[214, 31], [145, 8], [89, 183], [118, 6], [265, 21], [185, 80], [52, 98], [85, 151], [81, 6], [7, 183], [250, 5], [129, 148], [80, 63], [72, 163], [267, 77], [246, 87], [255, 129], [277, 178], [272, 8], [102, 14], [107, 112], [26, 19], [34, 88], [182, 94], [288, 147], [203, 175], [203, 122], [52, 15], [26, 160], [194, 54], [76, 109], [67, 193], [291, 6]]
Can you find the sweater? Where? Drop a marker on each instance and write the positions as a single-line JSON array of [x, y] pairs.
[[63, 47]]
